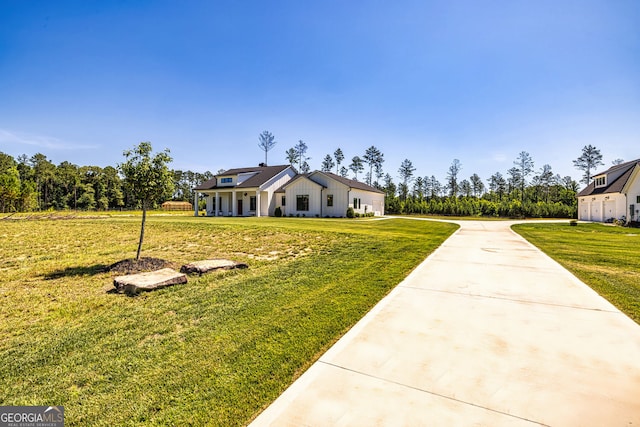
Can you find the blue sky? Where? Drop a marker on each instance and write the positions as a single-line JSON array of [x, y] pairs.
[[430, 81]]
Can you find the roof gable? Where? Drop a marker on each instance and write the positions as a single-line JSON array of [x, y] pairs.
[[296, 179], [351, 183], [262, 174], [617, 178]]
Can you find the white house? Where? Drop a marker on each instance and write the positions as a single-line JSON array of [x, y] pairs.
[[325, 194], [245, 191], [258, 191], [613, 194]]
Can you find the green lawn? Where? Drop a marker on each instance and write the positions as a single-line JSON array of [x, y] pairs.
[[212, 352], [606, 258]]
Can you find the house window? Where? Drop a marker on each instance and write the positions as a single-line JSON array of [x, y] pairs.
[[637, 199], [329, 200], [252, 203], [356, 203], [302, 202], [284, 201], [600, 181], [226, 180]]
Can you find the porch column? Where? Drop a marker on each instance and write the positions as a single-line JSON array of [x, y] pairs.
[[195, 203], [258, 202], [234, 204], [216, 203]]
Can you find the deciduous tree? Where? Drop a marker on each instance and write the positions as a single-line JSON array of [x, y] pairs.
[[148, 179]]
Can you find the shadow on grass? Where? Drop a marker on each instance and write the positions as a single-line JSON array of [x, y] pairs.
[[77, 271]]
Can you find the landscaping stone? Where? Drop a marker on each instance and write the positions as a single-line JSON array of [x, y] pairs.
[[207, 265], [133, 284]]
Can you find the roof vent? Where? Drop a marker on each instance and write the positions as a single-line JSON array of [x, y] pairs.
[[262, 165]]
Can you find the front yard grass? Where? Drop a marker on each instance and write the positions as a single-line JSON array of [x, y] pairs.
[[215, 351], [604, 257]]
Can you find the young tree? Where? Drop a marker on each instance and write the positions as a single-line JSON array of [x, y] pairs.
[[452, 177], [327, 164], [339, 158], [524, 163], [148, 178], [590, 159], [343, 172], [617, 162], [267, 142], [356, 166]]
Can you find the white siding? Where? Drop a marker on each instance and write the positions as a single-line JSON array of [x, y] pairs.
[[269, 191], [601, 207], [340, 193], [369, 201], [632, 198], [304, 186]]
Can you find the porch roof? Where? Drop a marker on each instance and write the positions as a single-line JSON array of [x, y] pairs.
[[262, 175]]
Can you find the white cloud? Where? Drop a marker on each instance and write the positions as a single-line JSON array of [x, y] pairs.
[[15, 138]]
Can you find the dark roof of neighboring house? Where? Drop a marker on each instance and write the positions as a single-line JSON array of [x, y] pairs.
[[612, 187], [353, 183], [264, 174]]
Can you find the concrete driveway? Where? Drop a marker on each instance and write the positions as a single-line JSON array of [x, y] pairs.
[[487, 331]]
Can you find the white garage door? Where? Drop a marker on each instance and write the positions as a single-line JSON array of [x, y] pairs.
[[610, 210], [596, 215]]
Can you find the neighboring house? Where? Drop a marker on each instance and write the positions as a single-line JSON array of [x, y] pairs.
[[245, 191], [613, 194], [260, 190], [325, 194]]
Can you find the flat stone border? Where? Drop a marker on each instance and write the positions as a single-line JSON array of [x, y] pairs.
[[208, 265], [133, 284]]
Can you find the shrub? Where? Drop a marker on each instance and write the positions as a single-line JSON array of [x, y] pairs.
[[573, 222], [350, 212], [278, 212]]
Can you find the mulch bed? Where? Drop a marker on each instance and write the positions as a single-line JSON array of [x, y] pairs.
[[131, 266]]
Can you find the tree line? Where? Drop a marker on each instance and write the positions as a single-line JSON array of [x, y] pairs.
[[521, 191], [36, 184]]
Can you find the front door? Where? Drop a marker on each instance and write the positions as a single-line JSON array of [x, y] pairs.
[[240, 207]]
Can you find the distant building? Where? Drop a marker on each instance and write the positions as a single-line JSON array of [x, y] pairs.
[[260, 190], [613, 194], [177, 206]]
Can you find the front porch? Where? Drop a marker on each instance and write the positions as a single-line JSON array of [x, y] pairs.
[[242, 202]]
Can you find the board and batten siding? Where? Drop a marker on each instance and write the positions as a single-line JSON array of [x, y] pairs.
[[277, 182], [302, 187], [369, 201], [633, 195], [338, 190]]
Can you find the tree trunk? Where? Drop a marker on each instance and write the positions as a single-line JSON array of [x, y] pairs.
[[144, 219]]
